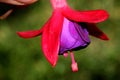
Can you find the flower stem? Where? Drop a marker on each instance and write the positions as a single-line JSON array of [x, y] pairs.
[[58, 3]]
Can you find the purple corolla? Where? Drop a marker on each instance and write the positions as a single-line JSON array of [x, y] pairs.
[[73, 36]]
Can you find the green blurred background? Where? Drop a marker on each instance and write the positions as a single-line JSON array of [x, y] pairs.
[[22, 59]]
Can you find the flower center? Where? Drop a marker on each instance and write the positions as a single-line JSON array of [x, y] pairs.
[[58, 3]]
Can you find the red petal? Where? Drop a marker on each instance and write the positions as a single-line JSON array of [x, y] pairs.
[[32, 33], [29, 34], [51, 37], [92, 16], [95, 31]]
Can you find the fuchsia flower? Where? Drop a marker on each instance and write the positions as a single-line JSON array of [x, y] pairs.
[[67, 30], [11, 4], [18, 2]]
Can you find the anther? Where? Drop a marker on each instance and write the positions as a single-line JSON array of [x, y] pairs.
[[65, 54]]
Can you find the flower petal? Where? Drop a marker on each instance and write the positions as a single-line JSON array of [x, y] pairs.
[[18, 2], [51, 37], [92, 16], [29, 34], [13, 2], [32, 33], [95, 31], [73, 37], [27, 1]]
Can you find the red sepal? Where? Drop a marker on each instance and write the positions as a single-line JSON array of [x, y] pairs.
[[91, 16], [30, 34], [95, 31], [51, 37]]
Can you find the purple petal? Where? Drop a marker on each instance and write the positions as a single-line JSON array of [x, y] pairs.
[[73, 36]]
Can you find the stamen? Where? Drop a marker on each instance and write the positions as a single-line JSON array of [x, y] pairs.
[[74, 65], [65, 54]]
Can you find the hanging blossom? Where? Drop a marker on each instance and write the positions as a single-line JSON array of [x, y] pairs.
[[10, 4], [67, 30]]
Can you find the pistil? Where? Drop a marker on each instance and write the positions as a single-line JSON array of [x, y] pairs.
[[74, 65]]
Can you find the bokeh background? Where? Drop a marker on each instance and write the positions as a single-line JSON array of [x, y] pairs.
[[22, 59]]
